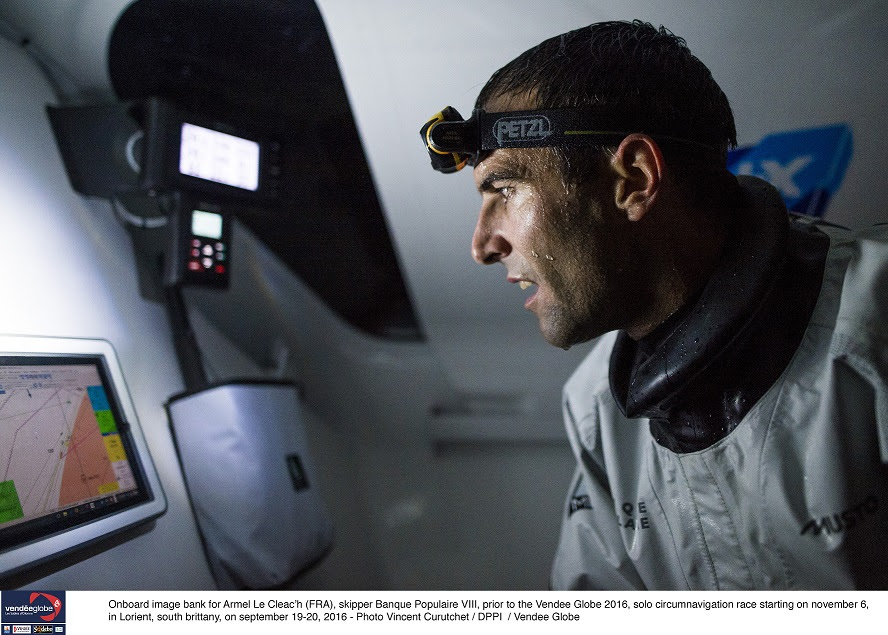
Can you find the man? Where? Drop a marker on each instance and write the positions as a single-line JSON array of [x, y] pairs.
[[731, 423]]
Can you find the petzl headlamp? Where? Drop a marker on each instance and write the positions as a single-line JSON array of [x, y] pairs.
[[453, 142]]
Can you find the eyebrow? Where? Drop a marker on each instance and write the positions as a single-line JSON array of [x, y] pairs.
[[504, 174]]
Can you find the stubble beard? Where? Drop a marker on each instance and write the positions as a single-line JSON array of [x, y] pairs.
[[574, 320]]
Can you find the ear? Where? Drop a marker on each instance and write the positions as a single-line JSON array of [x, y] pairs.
[[640, 169]]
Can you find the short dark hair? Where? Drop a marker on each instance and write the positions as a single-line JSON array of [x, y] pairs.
[[646, 76]]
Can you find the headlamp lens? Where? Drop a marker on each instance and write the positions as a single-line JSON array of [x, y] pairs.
[[448, 144]]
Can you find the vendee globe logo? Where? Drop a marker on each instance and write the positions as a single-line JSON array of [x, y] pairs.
[[33, 607]]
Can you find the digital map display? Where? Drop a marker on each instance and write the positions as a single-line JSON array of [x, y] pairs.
[[61, 452]]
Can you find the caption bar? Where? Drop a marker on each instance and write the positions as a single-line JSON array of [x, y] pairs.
[[316, 611]]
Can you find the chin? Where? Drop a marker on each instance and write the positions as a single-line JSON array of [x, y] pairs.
[[558, 337], [564, 336]]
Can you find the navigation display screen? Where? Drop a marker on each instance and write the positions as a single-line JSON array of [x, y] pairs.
[[66, 457], [206, 224], [219, 157]]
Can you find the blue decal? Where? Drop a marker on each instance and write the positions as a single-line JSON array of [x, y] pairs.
[[806, 166]]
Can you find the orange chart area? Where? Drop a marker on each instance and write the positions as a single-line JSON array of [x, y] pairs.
[[87, 467]]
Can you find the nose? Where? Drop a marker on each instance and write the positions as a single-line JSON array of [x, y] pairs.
[[489, 245]]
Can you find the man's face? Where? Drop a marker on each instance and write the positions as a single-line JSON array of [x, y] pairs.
[[570, 244]]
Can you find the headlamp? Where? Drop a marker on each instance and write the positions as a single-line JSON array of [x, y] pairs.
[[450, 140], [454, 142]]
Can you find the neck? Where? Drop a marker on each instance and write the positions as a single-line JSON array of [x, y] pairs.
[[686, 248]]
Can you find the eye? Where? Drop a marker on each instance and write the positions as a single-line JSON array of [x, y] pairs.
[[505, 191], [499, 185], [502, 187]]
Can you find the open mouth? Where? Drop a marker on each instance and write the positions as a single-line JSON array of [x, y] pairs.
[[526, 284]]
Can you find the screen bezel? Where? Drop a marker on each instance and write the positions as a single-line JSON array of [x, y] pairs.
[[29, 543]]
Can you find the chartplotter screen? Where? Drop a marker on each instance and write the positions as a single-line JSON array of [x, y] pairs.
[[220, 157], [72, 468]]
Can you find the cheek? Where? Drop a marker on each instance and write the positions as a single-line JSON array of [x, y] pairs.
[[576, 266], [546, 224], [530, 223]]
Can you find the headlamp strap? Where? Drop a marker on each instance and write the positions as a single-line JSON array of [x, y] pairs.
[[540, 128]]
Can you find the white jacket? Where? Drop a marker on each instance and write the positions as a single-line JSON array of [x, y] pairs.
[[796, 497]]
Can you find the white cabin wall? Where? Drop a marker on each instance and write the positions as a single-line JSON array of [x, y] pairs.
[[67, 270], [72, 40]]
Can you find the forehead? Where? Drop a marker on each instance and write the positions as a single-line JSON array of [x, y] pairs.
[[502, 160]]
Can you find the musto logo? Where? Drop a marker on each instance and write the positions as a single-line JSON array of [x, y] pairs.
[[520, 129], [845, 520]]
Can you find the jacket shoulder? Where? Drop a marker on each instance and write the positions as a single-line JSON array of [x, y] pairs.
[[864, 297]]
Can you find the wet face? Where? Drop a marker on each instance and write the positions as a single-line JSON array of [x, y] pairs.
[[568, 245]]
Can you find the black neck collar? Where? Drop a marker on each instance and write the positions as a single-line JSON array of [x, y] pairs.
[[696, 340]]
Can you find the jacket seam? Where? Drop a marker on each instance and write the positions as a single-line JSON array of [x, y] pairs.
[[666, 518], [733, 524], [699, 528]]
